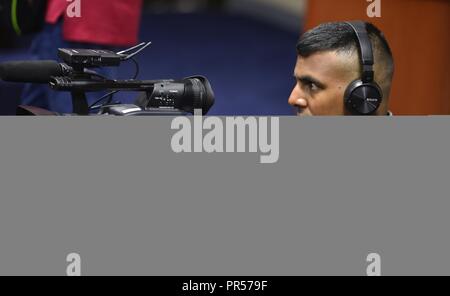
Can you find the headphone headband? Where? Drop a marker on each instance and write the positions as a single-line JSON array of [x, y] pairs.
[[366, 51]]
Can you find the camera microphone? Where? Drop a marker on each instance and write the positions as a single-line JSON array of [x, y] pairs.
[[33, 71]]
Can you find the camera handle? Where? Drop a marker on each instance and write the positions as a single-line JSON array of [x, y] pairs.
[[80, 104]]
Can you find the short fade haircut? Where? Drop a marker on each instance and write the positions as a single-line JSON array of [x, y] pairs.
[[341, 38]]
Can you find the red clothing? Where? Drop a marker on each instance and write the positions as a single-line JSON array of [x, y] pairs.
[[106, 22]]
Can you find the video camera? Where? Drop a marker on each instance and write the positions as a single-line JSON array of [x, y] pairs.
[[75, 75]]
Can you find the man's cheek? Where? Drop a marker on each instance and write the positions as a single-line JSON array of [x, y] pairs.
[[327, 105], [318, 105], [335, 104]]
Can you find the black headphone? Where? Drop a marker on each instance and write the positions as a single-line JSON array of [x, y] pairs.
[[363, 96]]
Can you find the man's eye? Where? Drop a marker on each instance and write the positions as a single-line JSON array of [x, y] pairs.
[[311, 86]]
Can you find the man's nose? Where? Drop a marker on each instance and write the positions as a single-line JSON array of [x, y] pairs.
[[297, 99]]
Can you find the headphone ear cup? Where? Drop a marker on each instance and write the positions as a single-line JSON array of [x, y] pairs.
[[362, 98]]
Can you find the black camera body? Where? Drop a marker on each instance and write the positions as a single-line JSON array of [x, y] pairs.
[[114, 110], [156, 97], [134, 110]]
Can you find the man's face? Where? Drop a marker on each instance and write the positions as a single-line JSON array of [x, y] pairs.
[[322, 79]]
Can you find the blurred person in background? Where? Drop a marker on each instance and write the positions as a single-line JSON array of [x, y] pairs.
[[106, 24]]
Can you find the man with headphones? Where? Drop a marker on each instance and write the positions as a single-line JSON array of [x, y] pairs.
[[343, 68]]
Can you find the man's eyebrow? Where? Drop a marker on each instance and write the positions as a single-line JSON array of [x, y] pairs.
[[309, 79]]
